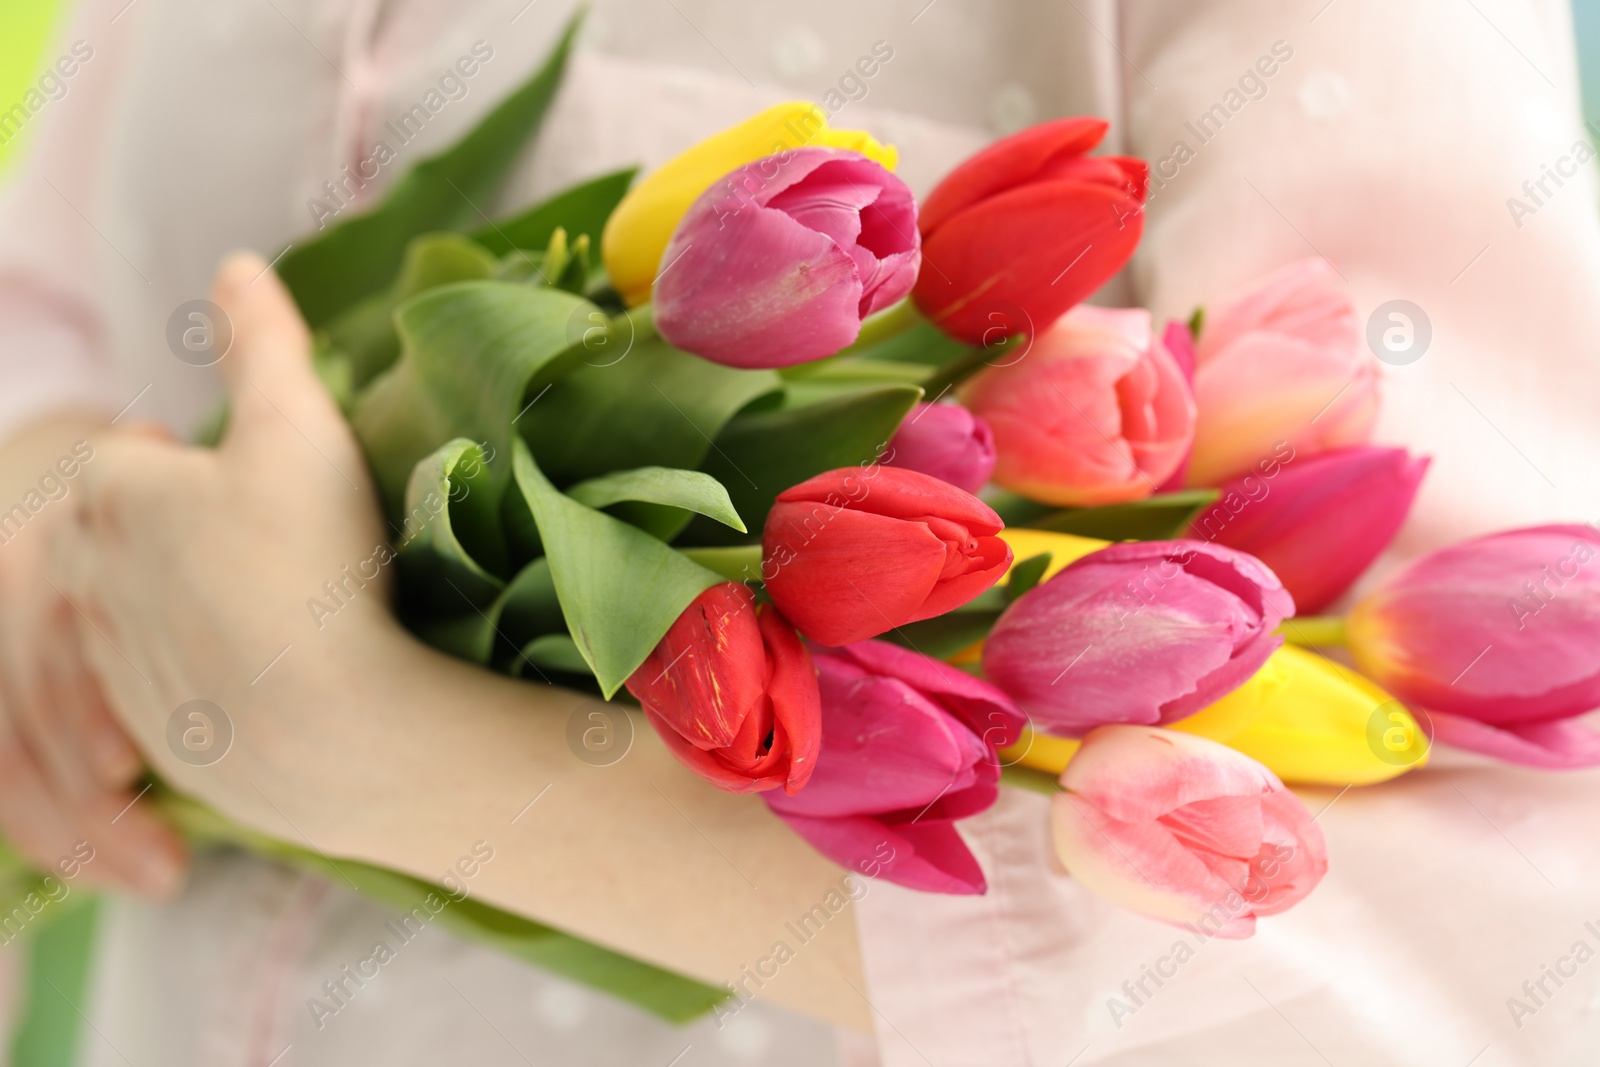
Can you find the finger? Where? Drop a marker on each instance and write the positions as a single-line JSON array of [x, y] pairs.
[[134, 851], [268, 366]]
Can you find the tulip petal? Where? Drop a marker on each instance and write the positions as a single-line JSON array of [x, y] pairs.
[[984, 709], [896, 493], [1502, 629], [927, 856], [1007, 163], [1043, 247], [822, 584], [1561, 745]]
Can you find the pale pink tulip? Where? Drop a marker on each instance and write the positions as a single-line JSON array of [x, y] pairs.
[[1182, 829], [1282, 363], [1097, 411]]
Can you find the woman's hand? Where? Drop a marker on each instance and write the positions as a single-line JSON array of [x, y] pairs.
[[193, 567], [193, 570], [66, 766]]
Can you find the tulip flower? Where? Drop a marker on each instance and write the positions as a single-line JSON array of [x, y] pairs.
[[853, 553], [947, 442], [1097, 412], [1184, 830], [1282, 364], [1140, 632], [1310, 720], [908, 747], [1306, 719], [731, 690], [781, 265], [1318, 521], [638, 230], [1026, 229], [1498, 638]]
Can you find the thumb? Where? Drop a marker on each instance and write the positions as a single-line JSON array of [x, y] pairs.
[[267, 366]]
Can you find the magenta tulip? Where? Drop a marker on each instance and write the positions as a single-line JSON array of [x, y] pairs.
[[779, 262], [1185, 830], [1096, 412], [908, 747], [1140, 632], [947, 442], [1317, 521], [1502, 631], [1281, 363]]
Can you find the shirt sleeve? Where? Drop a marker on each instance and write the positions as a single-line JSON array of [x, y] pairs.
[[54, 353]]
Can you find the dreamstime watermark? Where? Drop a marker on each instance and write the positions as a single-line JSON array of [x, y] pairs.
[[804, 929], [1537, 190], [599, 733], [453, 85], [1253, 488], [1399, 332], [199, 732], [853, 85], [341, 990], [51, 86], [51, 890], [53, 486], [1251, 86]]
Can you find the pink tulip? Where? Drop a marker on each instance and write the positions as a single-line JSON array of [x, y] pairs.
[[1097, 411], [779, 262], [1185, 830], [1502, 631], [1180, 342], [908, 747], [1140, 632], [947, 442], [1318, 521], [1283, 362]]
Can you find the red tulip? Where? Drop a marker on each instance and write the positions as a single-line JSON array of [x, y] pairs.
[[731, 690], [853, 553], [1318, 522], [1029, 224], [908, 747]]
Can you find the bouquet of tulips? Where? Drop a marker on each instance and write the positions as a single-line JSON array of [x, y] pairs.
[[871, 514]]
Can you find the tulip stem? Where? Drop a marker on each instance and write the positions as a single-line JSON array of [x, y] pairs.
[[1031, 779], [739, 563], [967, 364], [1313, 631], [891, 322]]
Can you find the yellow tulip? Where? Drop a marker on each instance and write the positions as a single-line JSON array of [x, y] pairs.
[[1307, 719], [638, 231]]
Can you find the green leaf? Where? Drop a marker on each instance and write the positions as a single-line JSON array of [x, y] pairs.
[[526, 608], [471, 355], [580, 209], [620, 588], [360, 255], [671, 996], [655, 404], [448, 509], [1155, 518], [556, 652], [660, 500], [944, 635], [366, 332], [1026, 574], [923, 344], [761, 454]]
